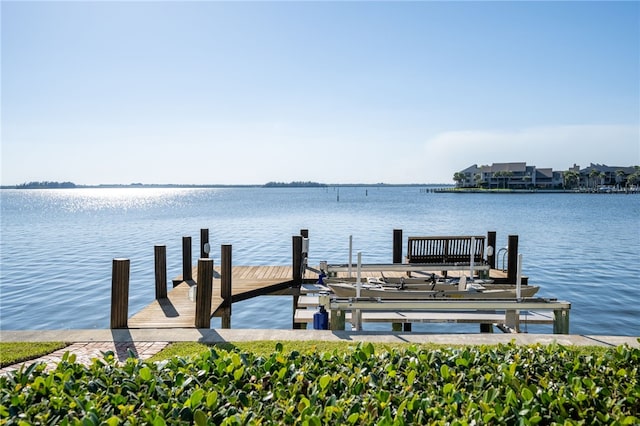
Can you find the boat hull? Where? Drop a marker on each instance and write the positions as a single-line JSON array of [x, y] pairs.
[[488, 291]]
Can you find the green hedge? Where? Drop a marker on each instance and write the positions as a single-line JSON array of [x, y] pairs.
[[505, 384]]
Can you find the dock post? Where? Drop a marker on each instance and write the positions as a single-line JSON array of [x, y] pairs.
[[225, 284], [491, 242], [297, 260], [203, 294], [486, 328], [304, 233], [297, 264], [561, 321], [120, 293], [337, 319], [160, 256], [186, 259], [512, 259], [401, 326], [204, 243], [397, 258], [397, 246], [512, 319]]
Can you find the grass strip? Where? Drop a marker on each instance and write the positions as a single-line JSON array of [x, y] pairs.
[[15, 352]]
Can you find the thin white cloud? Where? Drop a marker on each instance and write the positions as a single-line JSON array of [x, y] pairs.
[[557, 147]]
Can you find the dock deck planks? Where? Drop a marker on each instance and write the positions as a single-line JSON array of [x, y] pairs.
[[177, 311]]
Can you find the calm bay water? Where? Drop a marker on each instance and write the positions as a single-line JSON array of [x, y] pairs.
[[56, 246]]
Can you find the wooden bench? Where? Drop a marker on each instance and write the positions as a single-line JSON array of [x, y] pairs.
[[446, 250]]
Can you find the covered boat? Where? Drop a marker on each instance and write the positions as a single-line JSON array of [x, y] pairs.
[[436, 290]]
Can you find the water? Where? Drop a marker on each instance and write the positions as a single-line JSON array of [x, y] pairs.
[[56, 246]]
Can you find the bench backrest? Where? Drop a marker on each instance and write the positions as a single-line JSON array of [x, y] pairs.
[[445, 249]]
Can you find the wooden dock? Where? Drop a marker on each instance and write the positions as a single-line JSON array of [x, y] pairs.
[[177, 310]]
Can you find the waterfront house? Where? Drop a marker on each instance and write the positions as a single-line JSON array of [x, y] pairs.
[[601, 175], [509, 176], [519, 175]]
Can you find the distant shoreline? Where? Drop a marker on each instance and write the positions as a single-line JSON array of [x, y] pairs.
[[424, 187], [285, 185]]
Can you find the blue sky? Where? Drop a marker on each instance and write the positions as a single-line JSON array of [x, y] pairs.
[[336, 92]]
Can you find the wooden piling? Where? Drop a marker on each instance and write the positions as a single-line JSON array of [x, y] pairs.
[[304, 233], [297, 260], [512, 319], [297, 274], [561, 321], [204, 243], [512, 259], [491, 242], [160, 256], [397, 258], [226, 283], [486, 328], [120, 293], [186, 259], [337, 319], [204, 292], [397, 246], [225, 320], [401, 326]]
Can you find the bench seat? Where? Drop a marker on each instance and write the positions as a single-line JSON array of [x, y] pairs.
[[446, 250]]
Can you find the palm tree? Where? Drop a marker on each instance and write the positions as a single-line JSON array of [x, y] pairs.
[[477, 178], [498, 175], [593, 174], [458, 177], [570, 178], [634, 178], [620, 174], [507, 176]]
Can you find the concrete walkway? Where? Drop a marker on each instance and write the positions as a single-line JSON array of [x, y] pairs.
[[144, 343], [86, 352]]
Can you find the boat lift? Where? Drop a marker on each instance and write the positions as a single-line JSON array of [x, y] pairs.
[[511, 307], [338, 307]]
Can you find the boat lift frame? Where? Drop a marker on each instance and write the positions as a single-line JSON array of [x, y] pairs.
[[511, 307]]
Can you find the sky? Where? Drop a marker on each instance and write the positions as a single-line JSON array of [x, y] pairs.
[[212, 92]]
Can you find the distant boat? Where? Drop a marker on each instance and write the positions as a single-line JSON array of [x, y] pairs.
[[425, 291]]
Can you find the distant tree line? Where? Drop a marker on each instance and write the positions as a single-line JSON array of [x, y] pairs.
[[45, 185], [572, 179], [296, 184]]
